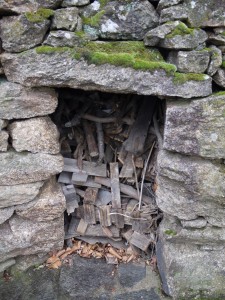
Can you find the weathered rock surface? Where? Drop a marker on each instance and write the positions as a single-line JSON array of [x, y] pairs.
[[219, 77], [66, 3], [60, 69], [62, 38], [65, 18], [18, 102], [18, 194], [216, 39], [6, 213], [3, 140], [20, 236], [120, 20], [6, 264], [35, 135], [175, 35], [191, 187], [190, 272], [25, 167], [48, 205], [177, 12], [167, 3], [189, 61], [196, 127], [3, 123], [215, 60], [19, 34], [20, 6]]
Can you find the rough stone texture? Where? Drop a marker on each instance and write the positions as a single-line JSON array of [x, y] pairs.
[[60, 69], [83, 279], [191, 187], [122, 20], [18, 194], [161, 36], [5, 214], [219, 77], [216, 39], [189, 272], [197, 223], [29, 261], [66, 3], [3, 140], [167, 3], [19, 6], [48, 205], [3, 123], [62, 38], [24, 237], [177, 12], [6, 264], [35, 135], [19, 34], [196, 127], [18, 102], [65, 18], [189, 61], [25, 167], [215, 61], [205, 13]]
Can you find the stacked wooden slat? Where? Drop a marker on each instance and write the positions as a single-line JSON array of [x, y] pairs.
[[109, 189]]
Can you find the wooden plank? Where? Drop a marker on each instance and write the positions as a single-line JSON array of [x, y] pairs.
[[127, 234], [72, 198], [91, 168], [72, 230], [90, 195], [115, 185], [97, 230], [65, 177], [140, 240], [104, 216], [127, 169], [79, 176], [92, 146], [104, 198], [122, 154], [141, 226], [126, 189], [136, 140], [89, 213], [89, 183], [117, 218], [82, 227]]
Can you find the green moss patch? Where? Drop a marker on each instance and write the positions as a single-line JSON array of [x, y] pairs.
[[221, 93], [50, 50], [223, 64], [180, 29], [170, 232], [40, 15], [94, 20], [180, 78]]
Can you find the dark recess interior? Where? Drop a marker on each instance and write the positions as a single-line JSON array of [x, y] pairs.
[[125, 131]]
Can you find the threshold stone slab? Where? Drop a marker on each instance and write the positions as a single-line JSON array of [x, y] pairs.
[[25, 167], [19, 102], [60, 69]]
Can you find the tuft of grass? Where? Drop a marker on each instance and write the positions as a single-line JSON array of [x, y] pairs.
[[40, 15], [180, 29], [50, 49], [94, 20], [221, 93], [180, 78]]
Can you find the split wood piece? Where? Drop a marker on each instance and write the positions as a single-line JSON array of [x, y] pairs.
[[117, 217], [90, 195], [104, 216], [139, 162], [79, 212], [122, 154], [116, 242], [72, 198], [136, 140], [89, 183], [127, 234], [127, 169], [92, 146], [89, 213], [104, 198], [72, 228], [100, 137], [82, 227], [140, 240], [70, 165], [125, 189], [109, 153], [65, 149], [80, 176], [115, 185], [80, 192], [96, 231], [129, 209], [65, 177], [141, 226]]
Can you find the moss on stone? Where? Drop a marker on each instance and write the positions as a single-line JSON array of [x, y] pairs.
[[40, 15], [50, 49], [170, 232], [221, 93], [80, 34], [180, 29], [223, 64], [180, 78], [94, 20]]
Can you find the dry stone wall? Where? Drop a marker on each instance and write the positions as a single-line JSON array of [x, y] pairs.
[[173, 49]]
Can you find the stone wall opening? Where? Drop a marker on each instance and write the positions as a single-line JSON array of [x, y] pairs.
[[110, 144]]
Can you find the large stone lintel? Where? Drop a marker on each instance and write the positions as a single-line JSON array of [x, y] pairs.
[[60, 69]]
